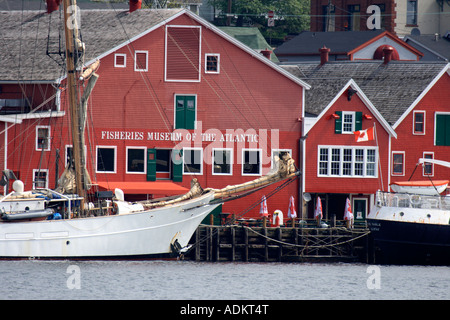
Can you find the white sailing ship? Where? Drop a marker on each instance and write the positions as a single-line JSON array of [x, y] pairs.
[[61, 223]]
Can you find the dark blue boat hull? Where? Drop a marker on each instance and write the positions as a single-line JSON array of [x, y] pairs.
[[410, 243]]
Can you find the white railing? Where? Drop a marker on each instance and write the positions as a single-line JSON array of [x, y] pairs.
[[405, 200]]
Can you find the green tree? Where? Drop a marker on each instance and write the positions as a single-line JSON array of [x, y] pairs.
[[291, 16]]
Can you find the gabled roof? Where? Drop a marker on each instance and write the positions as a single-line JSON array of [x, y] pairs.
[[435, 48], [24, 38], [340, 42], [392, 37], [352, 84], [392, 88]]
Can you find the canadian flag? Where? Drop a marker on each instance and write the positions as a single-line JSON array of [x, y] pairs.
[[364, 135]]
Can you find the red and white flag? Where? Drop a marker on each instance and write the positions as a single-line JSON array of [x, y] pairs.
[[348, 214], [291, 211], [318, 212], [364, 135], [263, 211]]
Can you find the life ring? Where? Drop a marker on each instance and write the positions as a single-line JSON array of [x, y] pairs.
[[415, 200]]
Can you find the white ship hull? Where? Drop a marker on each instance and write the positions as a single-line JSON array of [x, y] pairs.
[[146, 233]]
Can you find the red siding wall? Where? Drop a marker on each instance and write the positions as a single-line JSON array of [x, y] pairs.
[[246, 95], [323, 134], [436, 100]]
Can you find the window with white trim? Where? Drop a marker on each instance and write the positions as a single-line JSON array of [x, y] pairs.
[[106, 159], [192, 161], [419, 122], [120, 60], [251, 162], [428, 168], [344, 161], [40, 178], [278, 153], [348, 122], [212, 63], [140, 60], [398, 163], [222, 161], [136, 159], [43, 138]]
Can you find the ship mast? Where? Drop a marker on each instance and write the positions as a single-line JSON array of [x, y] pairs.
[[72, 46]]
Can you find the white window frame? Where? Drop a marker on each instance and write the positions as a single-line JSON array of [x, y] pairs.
[[145, 160], [278, 151], [330, 161], [67, 146], [353, 114], [414, 132], [404, 161], [199, 65], [425, 153], [231, 163], [48, 138], [46, 177], [201, 161], [243, 162], [115, 158], [217, 55], [116, 65], [136, 67]]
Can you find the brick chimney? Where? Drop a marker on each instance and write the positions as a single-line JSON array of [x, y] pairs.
[[324, 55], [388, 54], [266, 53], [135, 5]]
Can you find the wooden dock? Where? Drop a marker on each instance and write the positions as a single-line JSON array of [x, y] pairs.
[[279, 244]]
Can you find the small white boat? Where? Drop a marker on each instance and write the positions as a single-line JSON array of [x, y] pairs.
[[420, 187]]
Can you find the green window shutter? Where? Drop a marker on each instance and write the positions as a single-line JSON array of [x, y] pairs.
[[177, 165], [190, 112], [185, 107], [151, 164], [358, 121], [180, 112], [338, 123], [442, 130]]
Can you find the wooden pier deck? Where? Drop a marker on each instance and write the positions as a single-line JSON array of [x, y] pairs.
[[280, 244]]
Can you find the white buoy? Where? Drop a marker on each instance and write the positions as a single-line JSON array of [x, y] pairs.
[[18, 186], [119, 194]]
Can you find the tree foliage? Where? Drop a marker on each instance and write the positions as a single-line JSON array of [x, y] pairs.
[[291, 16]]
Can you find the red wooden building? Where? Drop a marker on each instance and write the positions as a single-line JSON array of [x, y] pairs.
[[171, 87], [407, 104], [425, 125]]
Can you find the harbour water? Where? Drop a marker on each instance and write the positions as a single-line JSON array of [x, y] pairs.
[[188, 280]]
